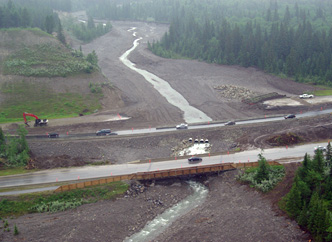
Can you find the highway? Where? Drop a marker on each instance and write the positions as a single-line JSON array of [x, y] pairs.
[[190, 126], [93, 172], [90, 172]]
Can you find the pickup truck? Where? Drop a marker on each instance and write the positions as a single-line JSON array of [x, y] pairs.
[[306, 96]]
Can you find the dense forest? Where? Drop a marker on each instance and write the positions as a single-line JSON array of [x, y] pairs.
[[310, 199], [290, 40], [43, 14], [13, 16]]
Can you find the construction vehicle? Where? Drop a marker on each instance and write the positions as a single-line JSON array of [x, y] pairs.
[[38, 121]]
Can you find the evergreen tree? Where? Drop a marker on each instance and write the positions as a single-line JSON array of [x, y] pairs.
[[92, 58], [294, 202], [328, 155], [268, 15], [25, 18], [319, 162], [22, 142], [91, 24], [49, 24], [303, 217], [60, 34], [287, 16], [318, 220], [263, 169], [2, 143]]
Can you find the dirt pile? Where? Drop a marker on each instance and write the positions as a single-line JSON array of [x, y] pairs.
[[235, 92], [285, 139]]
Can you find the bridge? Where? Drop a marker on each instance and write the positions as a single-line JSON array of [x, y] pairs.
[[163, 174]]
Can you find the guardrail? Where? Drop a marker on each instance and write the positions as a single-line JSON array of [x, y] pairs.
[[153, 175]]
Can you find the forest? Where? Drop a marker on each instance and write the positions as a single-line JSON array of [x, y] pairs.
[[309, 201], [290, 40], [44, 15]]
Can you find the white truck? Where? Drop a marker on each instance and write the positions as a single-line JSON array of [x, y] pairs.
[[306, 96]]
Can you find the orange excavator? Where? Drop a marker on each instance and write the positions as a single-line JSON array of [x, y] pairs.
[[38, 121]]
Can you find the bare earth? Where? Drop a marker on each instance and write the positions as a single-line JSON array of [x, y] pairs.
[[232, 211]]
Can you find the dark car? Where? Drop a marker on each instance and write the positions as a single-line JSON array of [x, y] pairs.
[[103, 132], [290, 116], [53, 135], [230, 123], [194, 159]]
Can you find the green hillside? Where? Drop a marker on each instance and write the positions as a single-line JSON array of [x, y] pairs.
[[42, 76]]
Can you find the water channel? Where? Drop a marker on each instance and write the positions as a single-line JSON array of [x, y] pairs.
[[190, 113], [162, 221]]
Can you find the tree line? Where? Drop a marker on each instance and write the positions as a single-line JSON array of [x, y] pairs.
[[86, 31], [13, 16], [295, 42]]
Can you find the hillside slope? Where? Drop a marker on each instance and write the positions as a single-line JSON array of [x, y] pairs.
[[40, 75]]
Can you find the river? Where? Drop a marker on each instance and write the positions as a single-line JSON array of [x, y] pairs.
[[190, 113], [162, 221]]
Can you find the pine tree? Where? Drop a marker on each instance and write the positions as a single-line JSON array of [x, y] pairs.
[[49, 24], [287, 16], [91, 24], [263, 169], [319, 162], [294, 202], [328, 155], [2, 143], [60, 35]]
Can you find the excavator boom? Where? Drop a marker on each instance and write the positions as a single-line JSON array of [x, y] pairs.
[[38, 121]]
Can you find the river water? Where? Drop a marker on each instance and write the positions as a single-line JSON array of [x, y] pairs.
[[162, 221], [190, 113]]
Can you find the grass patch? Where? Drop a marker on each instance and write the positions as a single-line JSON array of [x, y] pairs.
[[45, 60], [326, 92], [46, 202], [18, 31], [14, 171], [39, 99]]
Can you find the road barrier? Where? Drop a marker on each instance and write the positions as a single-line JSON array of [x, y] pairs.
[[153, 175]]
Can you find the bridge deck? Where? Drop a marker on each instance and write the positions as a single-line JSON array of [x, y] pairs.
[[153, 175]]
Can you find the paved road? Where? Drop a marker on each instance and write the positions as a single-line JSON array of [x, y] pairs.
[[89, 172], [190, 127]]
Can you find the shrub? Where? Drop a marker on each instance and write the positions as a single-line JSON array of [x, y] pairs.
[[263, 178], [56, 206], [16, 230]]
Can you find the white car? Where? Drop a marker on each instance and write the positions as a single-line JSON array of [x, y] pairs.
[[322, 148], [182, 126], [306, 95]]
